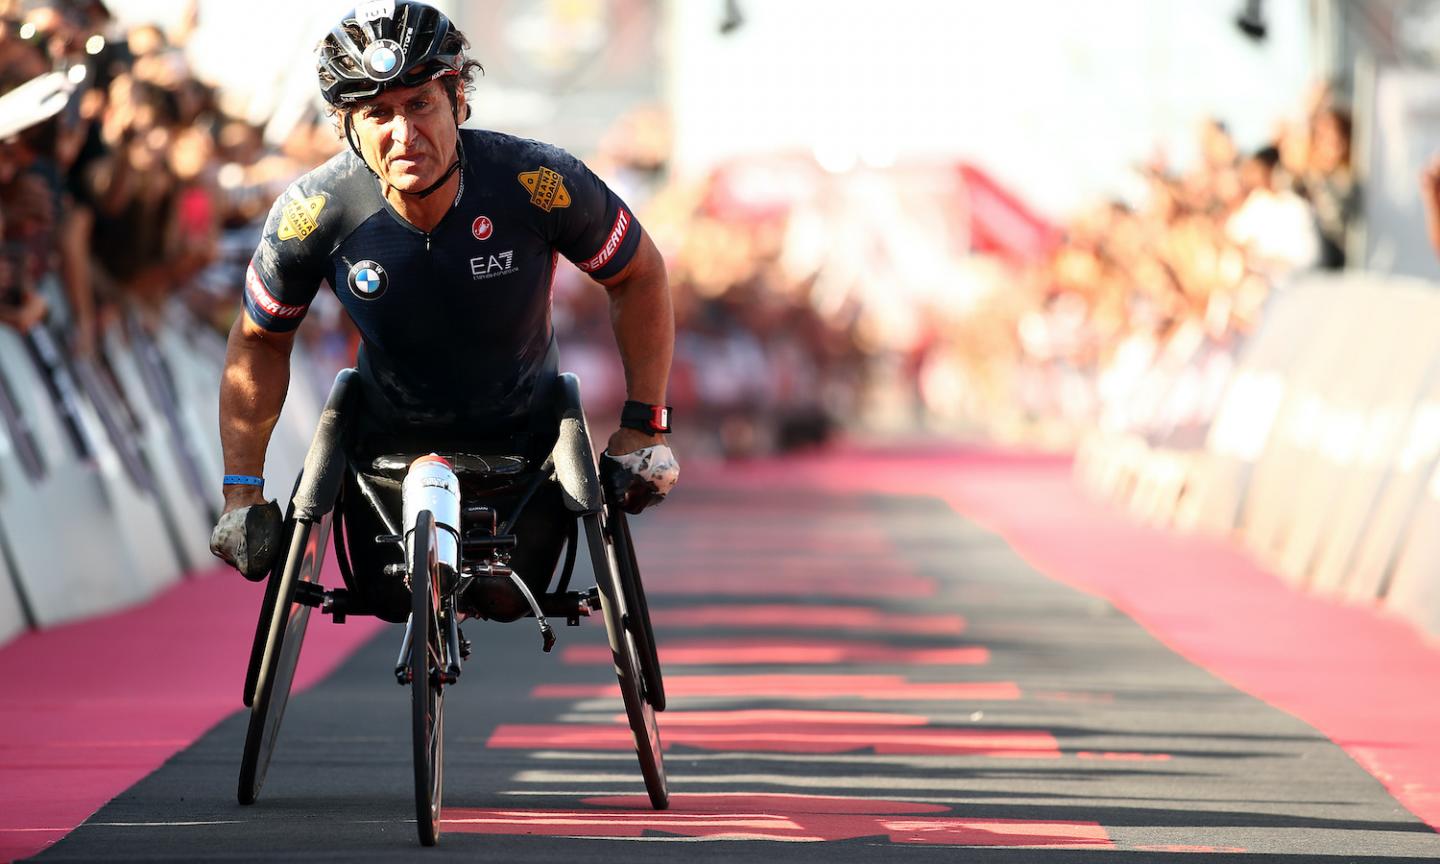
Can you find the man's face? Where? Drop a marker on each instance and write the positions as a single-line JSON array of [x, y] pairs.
[[408, 134]]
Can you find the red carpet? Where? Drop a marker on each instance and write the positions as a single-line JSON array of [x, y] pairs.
[[1364, 680], [90, 708]]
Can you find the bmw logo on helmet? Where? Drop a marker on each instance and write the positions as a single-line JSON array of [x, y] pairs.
[[382, 60], [368, 280]]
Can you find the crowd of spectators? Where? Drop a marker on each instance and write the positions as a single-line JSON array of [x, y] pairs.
[[1134, 321], [141, 189], [804, 297]]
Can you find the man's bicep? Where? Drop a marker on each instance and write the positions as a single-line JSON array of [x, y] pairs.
[[253, 331]]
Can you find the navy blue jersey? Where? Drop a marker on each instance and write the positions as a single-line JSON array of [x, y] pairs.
[[455, 324]]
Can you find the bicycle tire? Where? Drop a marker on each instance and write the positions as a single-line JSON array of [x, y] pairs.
[[427, 698], [267, 604], [286, 636], [637, 610], [639, 713]]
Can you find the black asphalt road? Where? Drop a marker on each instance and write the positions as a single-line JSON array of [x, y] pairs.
[[1044, 726]]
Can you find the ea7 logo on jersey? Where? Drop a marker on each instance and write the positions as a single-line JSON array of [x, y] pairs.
[[490, 266]]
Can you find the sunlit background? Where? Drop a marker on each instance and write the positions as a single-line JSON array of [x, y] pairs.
[[1132, 230]]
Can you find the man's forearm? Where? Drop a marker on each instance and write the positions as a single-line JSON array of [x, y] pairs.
[[644, 324], [252, 392]]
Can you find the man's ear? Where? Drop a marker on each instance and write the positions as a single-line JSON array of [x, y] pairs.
[[462, 108]]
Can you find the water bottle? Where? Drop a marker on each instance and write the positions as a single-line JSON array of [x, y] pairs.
[[431, 485]]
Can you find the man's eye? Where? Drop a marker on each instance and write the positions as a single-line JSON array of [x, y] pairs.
[[419, 104]]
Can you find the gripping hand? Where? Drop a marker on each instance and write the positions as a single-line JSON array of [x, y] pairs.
[[249, 538], [638, 480]]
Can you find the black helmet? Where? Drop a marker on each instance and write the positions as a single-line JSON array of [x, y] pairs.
[[385, 43]]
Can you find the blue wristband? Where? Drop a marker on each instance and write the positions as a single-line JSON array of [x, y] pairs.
[[242, 480]]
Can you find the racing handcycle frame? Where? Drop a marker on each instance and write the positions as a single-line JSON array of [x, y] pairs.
[[432, 650]]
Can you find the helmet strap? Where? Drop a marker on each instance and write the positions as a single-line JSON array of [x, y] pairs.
[[355, 146], [429, 190]]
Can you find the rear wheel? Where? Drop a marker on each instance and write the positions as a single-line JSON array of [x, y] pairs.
[[638, 711], [275, 672], [427, 662]]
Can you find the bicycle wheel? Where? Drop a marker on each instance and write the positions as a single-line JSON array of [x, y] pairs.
[[276, 671], [637, 611], [638, 710], [427, 660], [267, 605]]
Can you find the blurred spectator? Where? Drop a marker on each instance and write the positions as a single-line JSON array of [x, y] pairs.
[[1275, 226], [1330, 184]]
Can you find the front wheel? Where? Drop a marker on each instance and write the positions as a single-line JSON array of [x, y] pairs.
[[637, 610], [638, 710], [427, 664], [275, 669]]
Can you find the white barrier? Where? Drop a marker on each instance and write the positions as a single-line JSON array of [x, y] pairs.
[[1324, 456], [85, 537], [65, 544], [188, 521], [1391, 398], [12, 614], [1403, 497]]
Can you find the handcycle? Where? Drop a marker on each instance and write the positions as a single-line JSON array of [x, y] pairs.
[[450, 540]]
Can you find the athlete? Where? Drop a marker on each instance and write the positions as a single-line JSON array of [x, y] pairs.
[[441, 243]]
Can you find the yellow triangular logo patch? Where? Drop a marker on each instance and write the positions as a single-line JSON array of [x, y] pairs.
[[300, 217], [547, 188]]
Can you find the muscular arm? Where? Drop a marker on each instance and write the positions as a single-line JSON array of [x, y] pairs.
[[644, 323], [252, 392]]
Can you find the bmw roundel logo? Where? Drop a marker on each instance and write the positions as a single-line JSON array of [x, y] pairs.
[[368, 280], [383, 58]]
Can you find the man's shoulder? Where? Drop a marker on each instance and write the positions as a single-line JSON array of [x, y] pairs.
[[343, 177], [322, 205], [504, 152]]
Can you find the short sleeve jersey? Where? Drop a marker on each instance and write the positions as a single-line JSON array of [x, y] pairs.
[[455, 323]]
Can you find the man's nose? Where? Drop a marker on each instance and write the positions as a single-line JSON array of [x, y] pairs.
[[401, 130]]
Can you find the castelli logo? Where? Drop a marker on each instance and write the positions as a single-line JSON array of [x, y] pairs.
[[482, 227]]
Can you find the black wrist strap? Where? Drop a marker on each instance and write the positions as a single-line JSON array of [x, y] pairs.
[[651, 419]]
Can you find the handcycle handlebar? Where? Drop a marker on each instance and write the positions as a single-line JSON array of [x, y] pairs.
[[325, 460], [574, 459]]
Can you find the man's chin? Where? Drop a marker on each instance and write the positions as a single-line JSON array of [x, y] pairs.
[[406, 184], [409, 182]]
